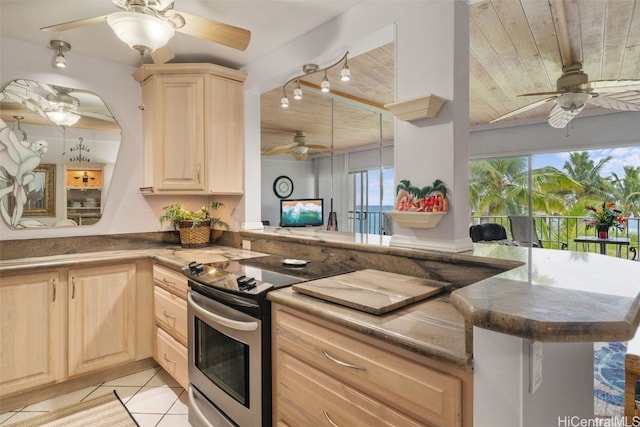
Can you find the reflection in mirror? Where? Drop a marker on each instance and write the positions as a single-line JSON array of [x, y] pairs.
[[58, 149], [360, 130]]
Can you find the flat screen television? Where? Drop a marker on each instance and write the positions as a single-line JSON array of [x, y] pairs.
[[301, 212]]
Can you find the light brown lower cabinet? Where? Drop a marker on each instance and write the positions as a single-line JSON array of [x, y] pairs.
[[33, 320], [170, 313], [327, 375], [61, 324], [102, 317]]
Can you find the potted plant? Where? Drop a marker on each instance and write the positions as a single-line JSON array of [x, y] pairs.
[[195, 227], [603, 218]]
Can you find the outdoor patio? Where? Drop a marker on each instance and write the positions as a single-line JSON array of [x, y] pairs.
[[558, 232]]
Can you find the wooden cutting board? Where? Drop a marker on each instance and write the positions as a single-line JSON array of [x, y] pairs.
[[372, 291]]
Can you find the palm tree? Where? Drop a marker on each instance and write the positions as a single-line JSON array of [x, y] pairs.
[[500, 187], [627, 190], [582, 169]]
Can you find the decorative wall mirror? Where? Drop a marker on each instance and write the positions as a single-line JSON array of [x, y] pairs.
[[58, 149]]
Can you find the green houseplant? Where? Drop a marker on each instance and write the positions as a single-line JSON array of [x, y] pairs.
[[196, 226]]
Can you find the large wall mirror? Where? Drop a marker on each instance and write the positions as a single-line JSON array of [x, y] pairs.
[[58, 149], [352, 120]]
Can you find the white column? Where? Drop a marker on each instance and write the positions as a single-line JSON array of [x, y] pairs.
[[505, 368], [432, 57]]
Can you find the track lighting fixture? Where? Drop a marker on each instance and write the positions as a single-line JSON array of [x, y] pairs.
[[60, 46], [308, 69]]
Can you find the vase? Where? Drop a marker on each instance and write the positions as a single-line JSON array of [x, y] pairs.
[[603, 232]]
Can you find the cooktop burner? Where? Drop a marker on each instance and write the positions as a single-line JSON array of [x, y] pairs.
[[252, 276]]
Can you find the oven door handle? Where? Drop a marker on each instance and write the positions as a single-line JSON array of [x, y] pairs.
[[212, 317]]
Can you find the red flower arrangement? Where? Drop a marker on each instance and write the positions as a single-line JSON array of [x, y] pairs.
[[605, 217]]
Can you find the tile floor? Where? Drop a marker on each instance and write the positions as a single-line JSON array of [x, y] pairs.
[[152, 397]]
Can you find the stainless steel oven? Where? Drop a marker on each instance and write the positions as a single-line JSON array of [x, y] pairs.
[[230, 337], [225, 363]]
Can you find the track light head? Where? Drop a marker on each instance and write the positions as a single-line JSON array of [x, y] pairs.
[[60, 46]]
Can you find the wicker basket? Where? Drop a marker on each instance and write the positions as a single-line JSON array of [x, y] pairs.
[[194, 237]]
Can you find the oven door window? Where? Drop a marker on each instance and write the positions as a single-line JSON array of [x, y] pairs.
[[224, 360]]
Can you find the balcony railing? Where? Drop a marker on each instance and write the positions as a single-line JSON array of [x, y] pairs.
[[556, 231]]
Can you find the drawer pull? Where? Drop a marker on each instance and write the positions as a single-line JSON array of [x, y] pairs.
[[326, 415], [164, 356], [341, 363], [168, 316], [54, 290], [168, 282]]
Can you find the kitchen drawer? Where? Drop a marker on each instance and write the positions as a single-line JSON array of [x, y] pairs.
[[171, 280], [172, 356], [415, 389], [171, 313], [309, 397]]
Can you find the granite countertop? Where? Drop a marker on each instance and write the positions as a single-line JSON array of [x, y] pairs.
[[557, 296], [174, 256], [432, 328]]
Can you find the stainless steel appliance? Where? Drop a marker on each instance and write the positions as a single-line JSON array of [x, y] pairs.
[[230, 336]]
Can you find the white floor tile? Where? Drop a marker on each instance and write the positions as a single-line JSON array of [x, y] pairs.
[[162, 379], [138, 379], [21, 416], [147, 420], [153, 400], [125, 393], [174, 421], [61, 401], [181, 405], [4, 417]]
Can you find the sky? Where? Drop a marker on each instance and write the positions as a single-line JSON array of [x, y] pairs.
[[621, 156]]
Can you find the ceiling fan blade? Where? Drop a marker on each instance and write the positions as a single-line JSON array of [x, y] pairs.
[[623, 101], [163, 54], [613, 85], [75, 24], [279, 149], [560, 117], [542, 93], [525, 108], [317, 147], [217, 32]]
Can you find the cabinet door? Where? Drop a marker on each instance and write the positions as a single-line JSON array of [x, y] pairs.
[[32, 318], [225, 136], [102, 317], [174, 132]]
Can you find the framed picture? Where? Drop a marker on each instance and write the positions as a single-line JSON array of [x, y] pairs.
[[41, 200]]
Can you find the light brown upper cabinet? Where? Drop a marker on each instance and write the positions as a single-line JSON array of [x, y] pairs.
[[193, 129]]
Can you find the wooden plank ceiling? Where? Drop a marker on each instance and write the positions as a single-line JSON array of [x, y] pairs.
[[516, 47]]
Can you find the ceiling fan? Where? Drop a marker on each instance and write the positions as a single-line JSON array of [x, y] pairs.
[[574, 90], [148, 25], [298, 148]]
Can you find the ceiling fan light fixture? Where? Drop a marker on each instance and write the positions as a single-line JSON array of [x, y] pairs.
[[142, 32], [572, 101], [300, 149], [63, 118]]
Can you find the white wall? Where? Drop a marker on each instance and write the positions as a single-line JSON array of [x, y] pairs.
[[126, 210], [300, 172], [583, 133]]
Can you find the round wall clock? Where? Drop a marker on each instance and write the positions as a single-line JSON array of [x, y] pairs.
[[283, 186]]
